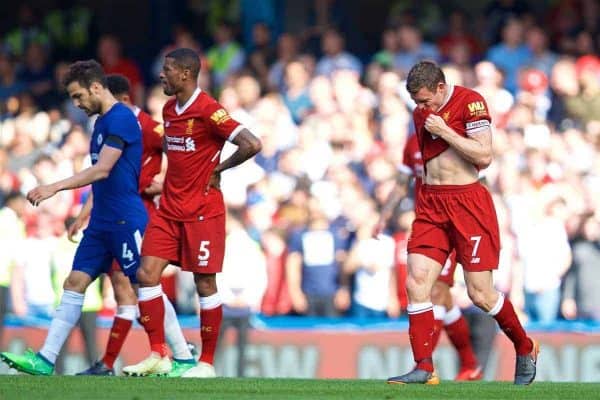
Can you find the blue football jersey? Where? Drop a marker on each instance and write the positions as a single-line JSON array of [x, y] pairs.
[[116, 198]]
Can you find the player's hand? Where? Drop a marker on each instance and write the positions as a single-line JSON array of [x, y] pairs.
[[341, 299], [214, 181], [40, 193], [73, 229], [435, 125], [378, 229], [299, 302], [156, 187], [569, 309]]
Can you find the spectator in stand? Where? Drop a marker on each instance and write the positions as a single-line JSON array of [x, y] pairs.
[[390, 44], [335, 56], [10, 85], [581, 297], [511, 54], [458, 34], [489, 85], [37, 74], [263, 54], [541, 57], [296, 95], [413, 49], [313, 266], [110, 55], [585, 106], [226, 56], [287, 50], [241, 284]]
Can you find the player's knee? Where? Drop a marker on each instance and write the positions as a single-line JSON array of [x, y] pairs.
[[416, 290], [75, 284], [206, 284], [483, 299], [147, 277]]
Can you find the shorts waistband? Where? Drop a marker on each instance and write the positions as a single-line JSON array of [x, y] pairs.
[[450, 188]]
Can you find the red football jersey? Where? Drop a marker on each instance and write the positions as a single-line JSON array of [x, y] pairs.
[[152, 147], [465, 111], [195, 134], [412, 161]]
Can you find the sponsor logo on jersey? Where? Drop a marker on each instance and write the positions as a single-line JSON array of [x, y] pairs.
[[190, 126], [220, 116], [178, 143], [477, 108]]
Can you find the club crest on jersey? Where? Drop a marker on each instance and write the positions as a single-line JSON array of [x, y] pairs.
[[220, 116], [190, 126], [446, 116], [99, 139]]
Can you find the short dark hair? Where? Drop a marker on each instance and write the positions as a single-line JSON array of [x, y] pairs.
[[424, 74], [186, 59], [85, 73], [12, 196], [117, 84]]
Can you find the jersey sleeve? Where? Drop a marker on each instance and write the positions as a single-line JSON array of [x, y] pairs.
[[220, 121], [476, 114], [408, 166], [125, 126]]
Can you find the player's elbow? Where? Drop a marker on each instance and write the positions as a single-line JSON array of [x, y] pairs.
[[254, 146], [484, 161], [101, 173]]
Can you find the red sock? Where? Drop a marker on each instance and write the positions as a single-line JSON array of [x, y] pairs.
[[210, 323], [509, 323], [438, 325], [460, 336], [420, 331], [118, 334], [152, 319]]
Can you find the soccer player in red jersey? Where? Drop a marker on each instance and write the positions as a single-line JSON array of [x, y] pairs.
[[446, 314], [189, 228], [150, 184], [454, 211]]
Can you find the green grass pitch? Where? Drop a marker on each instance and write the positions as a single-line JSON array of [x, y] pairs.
[[70, 387]]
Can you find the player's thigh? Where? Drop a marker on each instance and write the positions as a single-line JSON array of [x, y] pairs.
[[126, 246], [92, 256], [203, 245], [475, 233], [162, 239]]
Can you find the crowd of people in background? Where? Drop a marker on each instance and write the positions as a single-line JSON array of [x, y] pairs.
[[333, 127]]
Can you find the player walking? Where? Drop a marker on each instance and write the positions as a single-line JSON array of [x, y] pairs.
[[454, 211]]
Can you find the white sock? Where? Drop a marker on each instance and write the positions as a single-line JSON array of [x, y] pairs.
[[210, 302], [173, 333], [498, 306], [452, 315], [418, 308], [128, 312], [66, 316], [149, 293], [439, 312]]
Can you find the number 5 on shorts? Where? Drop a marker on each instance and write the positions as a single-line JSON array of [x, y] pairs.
[[474, 258], [203, 253]]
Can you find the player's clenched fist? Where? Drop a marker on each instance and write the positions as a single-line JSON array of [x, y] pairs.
[[435, 124], [40, 193]]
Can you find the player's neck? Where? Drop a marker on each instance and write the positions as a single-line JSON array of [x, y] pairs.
[[108, 101], [185, 95]]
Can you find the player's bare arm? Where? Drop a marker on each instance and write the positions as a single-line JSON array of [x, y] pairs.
[[248, 146], [106, 160]]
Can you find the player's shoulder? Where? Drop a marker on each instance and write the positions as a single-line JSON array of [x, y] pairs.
[[120, 113], [466, 94], [170, 105]]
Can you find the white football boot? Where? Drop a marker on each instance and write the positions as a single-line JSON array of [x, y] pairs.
[[153, 365], [202, 370]]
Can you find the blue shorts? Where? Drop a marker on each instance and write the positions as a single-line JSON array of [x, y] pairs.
[[99, 248]]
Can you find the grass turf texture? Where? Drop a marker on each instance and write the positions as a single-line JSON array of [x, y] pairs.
[[70, 387]]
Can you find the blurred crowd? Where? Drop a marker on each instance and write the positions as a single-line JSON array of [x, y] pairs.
[[333, 126]]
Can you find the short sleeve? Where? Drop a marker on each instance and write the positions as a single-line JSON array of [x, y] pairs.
[[125, 126], [221, 122], [476, 114]]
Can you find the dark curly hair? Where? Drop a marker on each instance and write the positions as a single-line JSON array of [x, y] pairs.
[[85, 73]]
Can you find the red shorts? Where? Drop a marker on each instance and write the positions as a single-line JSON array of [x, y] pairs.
[[196, 246], [459, 217]]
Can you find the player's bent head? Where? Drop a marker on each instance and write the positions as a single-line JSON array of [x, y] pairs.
[[85, 73], [185, 59], [424, 74], [119, 86]]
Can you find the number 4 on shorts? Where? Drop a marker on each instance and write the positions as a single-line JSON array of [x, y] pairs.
[[203, 253]]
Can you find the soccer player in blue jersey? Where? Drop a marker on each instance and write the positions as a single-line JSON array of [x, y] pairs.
[[118, 217]]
